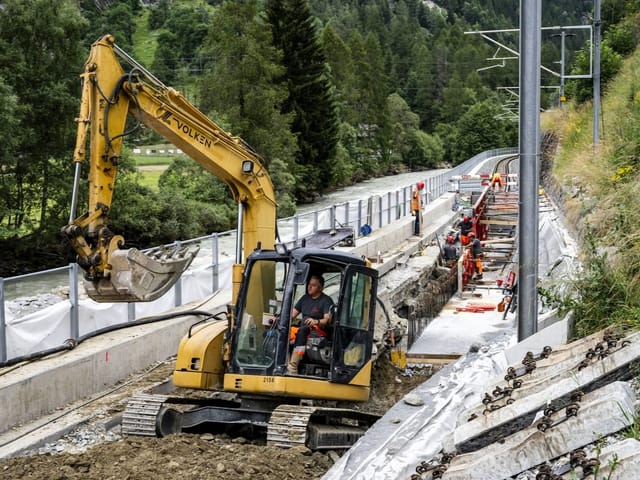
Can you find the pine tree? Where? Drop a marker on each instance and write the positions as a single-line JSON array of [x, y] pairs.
[[310, 93], [242, 91]]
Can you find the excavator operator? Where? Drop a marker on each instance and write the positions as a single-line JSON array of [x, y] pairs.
[[315, 307]]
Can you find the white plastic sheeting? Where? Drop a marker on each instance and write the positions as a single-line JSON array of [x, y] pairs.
[[50, 327], [558, 251], [406, 435], [37, 331]]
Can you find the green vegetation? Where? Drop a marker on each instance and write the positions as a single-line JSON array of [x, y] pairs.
[[146, 160], [144, 40], [600, 191], [633, 430], [150, 179], [379, 87]]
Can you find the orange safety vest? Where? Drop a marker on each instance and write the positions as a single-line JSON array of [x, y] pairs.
[[415, 200]]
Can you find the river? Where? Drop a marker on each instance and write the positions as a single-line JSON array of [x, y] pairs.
[[46, 283], [368, 188]]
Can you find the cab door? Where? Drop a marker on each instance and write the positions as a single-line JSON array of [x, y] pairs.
[[354, 323]]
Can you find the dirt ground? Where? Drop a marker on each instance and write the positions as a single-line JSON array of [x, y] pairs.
[[205, 456]]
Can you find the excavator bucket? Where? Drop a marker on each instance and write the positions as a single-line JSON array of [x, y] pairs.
[[141, 276]]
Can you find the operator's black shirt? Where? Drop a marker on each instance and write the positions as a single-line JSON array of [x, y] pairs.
[[314, 307]]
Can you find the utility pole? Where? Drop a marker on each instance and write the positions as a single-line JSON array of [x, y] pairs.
[[529, 136], [596, 73], [563, 35]]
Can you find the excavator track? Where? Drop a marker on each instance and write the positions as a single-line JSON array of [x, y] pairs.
[[140, 416], [318, 428], [288, 425]]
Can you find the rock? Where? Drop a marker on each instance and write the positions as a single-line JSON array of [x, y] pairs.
[[333, 455], [301, 450], [413, 399]]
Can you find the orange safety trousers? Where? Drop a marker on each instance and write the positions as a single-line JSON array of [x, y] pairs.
[[478, 263], [294, 331]]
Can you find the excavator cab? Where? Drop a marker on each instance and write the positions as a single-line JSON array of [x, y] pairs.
[[262, 331]]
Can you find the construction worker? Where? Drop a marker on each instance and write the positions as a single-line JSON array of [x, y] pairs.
[[476, 255], [465, 226], [496, 179], [416, 207], [315, 307], [450, 252]]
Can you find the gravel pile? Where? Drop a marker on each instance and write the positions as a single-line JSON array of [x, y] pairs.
[[23, 306]]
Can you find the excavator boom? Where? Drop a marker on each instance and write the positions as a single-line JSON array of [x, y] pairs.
[[109, 95]]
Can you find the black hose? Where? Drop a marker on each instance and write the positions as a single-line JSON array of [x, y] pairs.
[[113, 100], [384, 309]]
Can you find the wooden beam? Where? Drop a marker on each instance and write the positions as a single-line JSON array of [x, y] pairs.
[[432, 358], [498, 222]]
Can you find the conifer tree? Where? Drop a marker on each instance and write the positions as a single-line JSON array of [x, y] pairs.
[[242, 90], [310, 93]]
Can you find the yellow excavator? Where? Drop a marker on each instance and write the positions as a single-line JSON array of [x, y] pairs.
[[241, 361]]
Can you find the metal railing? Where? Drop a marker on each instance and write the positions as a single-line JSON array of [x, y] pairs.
[[375, 211]]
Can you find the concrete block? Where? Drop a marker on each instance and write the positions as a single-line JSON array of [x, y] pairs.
[[561, 358], [486, 423], [619, 461], [555, 334], [529, 446]]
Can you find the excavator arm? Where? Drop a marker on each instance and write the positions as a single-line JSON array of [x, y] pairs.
[[109, 95]]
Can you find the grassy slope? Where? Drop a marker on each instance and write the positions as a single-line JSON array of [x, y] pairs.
[[145, 45], [144, 40], [601, 195], [599, 172]]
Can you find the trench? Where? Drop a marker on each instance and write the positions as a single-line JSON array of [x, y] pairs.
[[420, 300]]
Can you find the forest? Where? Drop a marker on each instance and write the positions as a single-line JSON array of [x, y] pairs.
[[328, 92]]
